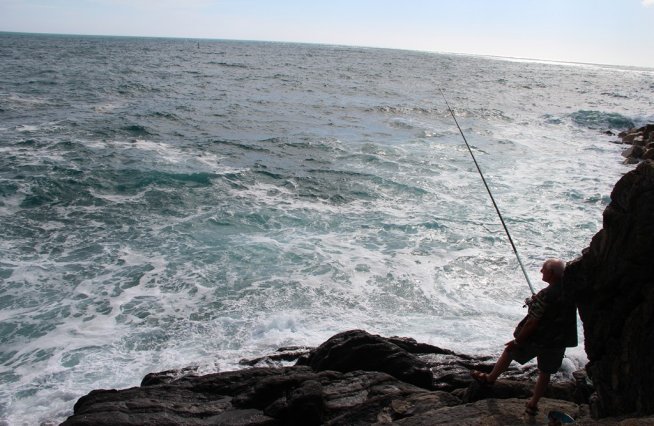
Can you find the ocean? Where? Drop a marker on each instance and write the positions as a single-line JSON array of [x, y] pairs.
[[172, 202]]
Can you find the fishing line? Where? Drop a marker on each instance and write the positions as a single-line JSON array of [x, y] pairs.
[[515, 250]]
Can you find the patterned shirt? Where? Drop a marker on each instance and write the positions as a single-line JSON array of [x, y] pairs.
[[557, 319], [538, 305]]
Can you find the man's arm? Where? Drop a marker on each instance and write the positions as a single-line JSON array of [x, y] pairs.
[[526, 331]]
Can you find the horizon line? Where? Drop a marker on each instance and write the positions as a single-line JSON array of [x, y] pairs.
[[480, 55]]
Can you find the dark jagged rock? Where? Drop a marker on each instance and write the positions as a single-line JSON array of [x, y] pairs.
[[491, 412], [300, 395], [276, 359], [358, 350], [257, 396], [649, 152], [613, 285], [167, 376], [452, 372], [505, 389], [634, 151], [412, 346], [639, 139]]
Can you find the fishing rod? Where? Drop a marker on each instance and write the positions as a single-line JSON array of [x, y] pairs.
[[515, 250]]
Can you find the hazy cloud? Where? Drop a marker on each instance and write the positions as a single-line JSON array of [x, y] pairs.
[[648, 3], [159, 4]]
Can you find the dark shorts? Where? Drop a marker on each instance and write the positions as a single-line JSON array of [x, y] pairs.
[[549, 359]]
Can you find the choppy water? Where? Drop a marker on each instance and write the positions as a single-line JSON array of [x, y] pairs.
[[165, 204]]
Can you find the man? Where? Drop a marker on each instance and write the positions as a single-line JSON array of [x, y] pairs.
[[549, 327]]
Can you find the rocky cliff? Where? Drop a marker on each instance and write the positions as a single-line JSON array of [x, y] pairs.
[[613, 284]]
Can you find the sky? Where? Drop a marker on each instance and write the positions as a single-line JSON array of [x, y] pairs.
[[616, 32]]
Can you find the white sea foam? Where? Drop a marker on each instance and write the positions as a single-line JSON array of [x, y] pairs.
[[161, 154], [118, 198], [25, 99], [28, 128], [109, 107]]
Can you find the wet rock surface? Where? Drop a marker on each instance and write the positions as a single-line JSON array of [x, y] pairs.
[[641, 141], [359, 350], [313, 394]]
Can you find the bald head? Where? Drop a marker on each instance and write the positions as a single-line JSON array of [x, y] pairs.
[[553, 270]]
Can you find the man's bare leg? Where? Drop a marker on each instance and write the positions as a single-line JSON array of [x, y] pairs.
[[500, 366]]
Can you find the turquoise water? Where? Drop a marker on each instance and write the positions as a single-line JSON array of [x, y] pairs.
[[164, 204]]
